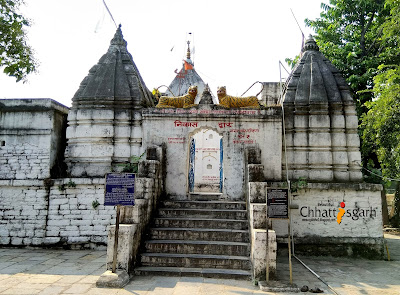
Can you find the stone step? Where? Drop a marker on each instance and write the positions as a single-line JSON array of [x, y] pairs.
[[203, 234], [207, 213], [198, 247], [200, 223], [198, 197], [205, 205], [194, 272], [195, 260], [200, 235]]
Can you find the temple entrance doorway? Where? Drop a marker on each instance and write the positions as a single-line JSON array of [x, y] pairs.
[[206, 162]]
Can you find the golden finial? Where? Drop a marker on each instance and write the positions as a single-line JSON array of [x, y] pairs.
[[188, 50]]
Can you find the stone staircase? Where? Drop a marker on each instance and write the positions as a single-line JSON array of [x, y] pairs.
[[201, 237]]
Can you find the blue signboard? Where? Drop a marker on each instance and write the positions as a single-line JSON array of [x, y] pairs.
[[119, 189]]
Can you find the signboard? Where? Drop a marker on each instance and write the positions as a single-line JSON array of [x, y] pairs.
[[119, 189], [277, 203]]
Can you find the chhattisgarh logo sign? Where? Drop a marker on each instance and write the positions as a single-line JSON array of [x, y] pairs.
[[328, 211], [341, 212]]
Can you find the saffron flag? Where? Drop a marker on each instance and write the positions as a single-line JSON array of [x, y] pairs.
[[188, 66]]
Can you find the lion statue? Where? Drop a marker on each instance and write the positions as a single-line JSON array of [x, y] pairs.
[[185, 101], [228, 101]]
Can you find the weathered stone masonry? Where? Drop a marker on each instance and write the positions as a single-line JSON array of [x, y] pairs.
[[33, 214], [38, 210], [73, 217], [69, 212], [32, 137], [23, 212]]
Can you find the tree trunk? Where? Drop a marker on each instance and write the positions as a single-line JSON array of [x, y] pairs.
[[385, 214], [395, 220]]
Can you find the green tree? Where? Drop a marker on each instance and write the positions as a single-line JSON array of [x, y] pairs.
[[349, 33], [381, 127], [292, 61], [381, 124], [16, 56]]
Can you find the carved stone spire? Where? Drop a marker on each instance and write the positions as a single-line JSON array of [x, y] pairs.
[[188, 50], [310, 44], [115, 78], [206, 97], [111, 96], [118, 38], [318, 104]]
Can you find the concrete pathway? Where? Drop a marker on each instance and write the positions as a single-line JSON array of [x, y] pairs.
[[38, 271]]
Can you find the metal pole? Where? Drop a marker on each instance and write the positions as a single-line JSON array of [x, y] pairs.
[[267, 241], [267, 254], [114, 265], [315, 274], [290, 254]]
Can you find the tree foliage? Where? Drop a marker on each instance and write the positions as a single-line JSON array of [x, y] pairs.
[[292, 61], [381, 124], [16, 56], [349, 34]]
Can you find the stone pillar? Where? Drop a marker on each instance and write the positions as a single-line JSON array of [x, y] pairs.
[[319, 141], [270, 93], [90, 142], [136, 134], [122, 130], [288, 143], [353, 142], [338, 136], [259, 253], [300, 158]]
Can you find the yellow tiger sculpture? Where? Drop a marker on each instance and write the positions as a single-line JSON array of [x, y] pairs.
[[228, 101], [185, 101]]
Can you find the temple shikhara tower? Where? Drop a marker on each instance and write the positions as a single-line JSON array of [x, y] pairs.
[[321, 122], [204, 164], [105, 118], [186, 77]]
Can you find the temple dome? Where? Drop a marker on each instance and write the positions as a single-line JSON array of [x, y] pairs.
[[315, 80], [322, 142], [185, 78], [114, 78]]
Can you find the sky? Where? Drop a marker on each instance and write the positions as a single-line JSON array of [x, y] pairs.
[[235, 43]]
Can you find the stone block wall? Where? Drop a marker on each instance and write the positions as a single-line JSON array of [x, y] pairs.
[[36, 213], [23, 212], [68, 212], [23, 161], [31, 137], [313, 212], [315, 226], [73, 217]]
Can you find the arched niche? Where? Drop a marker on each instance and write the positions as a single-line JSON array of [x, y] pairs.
[[205, 173]]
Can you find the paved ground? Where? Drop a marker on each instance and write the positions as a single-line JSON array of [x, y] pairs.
[[33, 271]]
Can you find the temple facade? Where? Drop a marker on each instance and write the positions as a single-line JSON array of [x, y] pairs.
[[54, 159]]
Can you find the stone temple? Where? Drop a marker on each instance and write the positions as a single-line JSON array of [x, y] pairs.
[[203, 174]]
